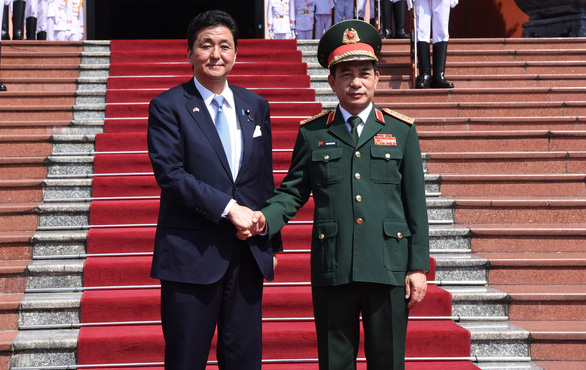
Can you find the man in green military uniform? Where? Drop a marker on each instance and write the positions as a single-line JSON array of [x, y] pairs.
[[370, 241]]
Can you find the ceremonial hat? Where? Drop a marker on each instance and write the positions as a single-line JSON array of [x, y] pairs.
[[349, 40]]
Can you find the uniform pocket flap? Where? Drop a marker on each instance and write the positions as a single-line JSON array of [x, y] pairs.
[[324, 155], [325, 229], [396, 229], [386, 152]]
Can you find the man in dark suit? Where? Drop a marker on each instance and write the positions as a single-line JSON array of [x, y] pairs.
[[370, 240], [211, 151]]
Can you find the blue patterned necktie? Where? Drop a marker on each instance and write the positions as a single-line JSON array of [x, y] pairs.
[[221, 123]]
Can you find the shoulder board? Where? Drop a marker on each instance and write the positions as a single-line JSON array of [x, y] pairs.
[[314, 117], [399, 116]]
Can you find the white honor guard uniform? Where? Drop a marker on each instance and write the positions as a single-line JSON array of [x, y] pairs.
[[361, 8], [304, 10], [31, 8], [75, 23], [281, 18], [42, 16], [432, 16], [344, 10], [57, 20], [323, 16]]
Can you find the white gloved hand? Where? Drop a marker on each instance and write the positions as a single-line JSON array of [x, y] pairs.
[[453, 3]]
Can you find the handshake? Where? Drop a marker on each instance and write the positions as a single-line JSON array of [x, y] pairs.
[[248, 223]]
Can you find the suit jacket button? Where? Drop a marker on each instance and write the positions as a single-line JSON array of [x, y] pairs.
[[321, 236], [359, 221], [359, 198], [357, 176], [357, 154]]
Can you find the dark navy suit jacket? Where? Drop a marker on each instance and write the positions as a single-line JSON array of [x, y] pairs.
[[193, 243]]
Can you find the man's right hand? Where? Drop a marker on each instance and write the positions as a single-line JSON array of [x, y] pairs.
[[240, 216], [258, 224]]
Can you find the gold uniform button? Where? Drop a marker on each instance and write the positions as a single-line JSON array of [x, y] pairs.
[[357, 154], [387, 156], [321, 236], [326, 157], [359, 221], [400, 235], [357, 176], [358, 198]]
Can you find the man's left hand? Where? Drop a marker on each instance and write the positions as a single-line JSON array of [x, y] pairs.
[[415, 287]]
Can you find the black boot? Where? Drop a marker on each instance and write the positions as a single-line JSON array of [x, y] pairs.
[[31, 28], [18, 19], [42, 35], [386, 9], [424, 78], [2, 87], [440, 51], [5, 34], [399, 18]]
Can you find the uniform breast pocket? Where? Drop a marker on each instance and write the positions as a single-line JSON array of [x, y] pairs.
[[396, 241], [384, 164], [326, 166]]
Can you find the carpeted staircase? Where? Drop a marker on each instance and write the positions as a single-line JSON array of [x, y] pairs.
[[505, 164]]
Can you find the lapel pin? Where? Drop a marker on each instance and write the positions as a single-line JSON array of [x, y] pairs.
[[196, 109], [247, 112]]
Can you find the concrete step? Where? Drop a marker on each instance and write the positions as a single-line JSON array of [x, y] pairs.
[[16, 99], [34, 47], [18, 216], [494, 141], [515, 210], [528, 238], [6, 339], [36, 113], [556, 340], [500, 123], [21, 190], [51, 70], [25, 145], [22, 167], [13, 276], [472, 95], [517, 162], [40, 84], [546, 268], [486, 109], [561, 365], [510, 185], [540, 302], [9, 304], [16, 245]]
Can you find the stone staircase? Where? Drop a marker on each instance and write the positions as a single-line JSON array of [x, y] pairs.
[[505, 165]]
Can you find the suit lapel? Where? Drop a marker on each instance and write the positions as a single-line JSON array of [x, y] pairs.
[[247, 128], [197, 109]]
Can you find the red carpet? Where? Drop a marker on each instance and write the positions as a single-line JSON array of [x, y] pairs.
[[140, 70]]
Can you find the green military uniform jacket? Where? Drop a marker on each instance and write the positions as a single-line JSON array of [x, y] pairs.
[[370, 219]]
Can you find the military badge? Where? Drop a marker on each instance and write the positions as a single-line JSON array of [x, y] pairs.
[[385, 139]]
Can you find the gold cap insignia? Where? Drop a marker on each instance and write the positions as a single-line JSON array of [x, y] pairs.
[[350, 36]]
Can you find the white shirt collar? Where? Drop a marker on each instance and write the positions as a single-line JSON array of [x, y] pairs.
[[207, 95], [363, 115]]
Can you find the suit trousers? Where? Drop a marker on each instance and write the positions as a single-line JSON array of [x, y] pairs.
[[337, 311], [190, 313]]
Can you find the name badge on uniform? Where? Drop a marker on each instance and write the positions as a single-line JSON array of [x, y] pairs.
[[322, 144], [385, 139]]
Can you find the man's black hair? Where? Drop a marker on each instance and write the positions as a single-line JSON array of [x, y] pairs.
[[211, 18]]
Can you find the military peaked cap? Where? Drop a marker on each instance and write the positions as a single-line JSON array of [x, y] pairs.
[[350, 40]]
